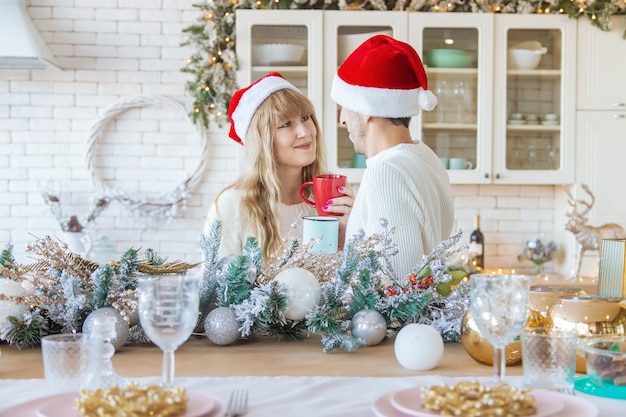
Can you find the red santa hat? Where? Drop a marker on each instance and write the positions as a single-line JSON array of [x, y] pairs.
[[383, 77], [245, 101]]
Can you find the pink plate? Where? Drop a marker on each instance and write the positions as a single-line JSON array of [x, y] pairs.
[[383, 408], [409, 402], [572, 406], [63, 405]]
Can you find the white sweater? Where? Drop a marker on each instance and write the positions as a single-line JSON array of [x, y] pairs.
[[409, 187], [236, 229]]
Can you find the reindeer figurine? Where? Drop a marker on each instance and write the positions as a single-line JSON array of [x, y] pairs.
[[589, 238]]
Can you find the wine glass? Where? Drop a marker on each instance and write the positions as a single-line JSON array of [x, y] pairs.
[[442, 91], [458, 97], [168, 311], [499, 305]]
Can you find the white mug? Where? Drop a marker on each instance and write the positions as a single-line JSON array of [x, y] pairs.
[[323, 228], [459, 163]]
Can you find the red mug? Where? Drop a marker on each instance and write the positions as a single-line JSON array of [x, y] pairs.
[[324, 189]]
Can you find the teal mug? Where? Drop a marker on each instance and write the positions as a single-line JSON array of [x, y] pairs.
[[459, 163], [358, 160], [323, 228]]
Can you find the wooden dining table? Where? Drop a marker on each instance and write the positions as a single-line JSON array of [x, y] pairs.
[[284, 378], [260, 356]]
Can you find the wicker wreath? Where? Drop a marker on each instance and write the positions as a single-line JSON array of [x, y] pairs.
[[165, 204]]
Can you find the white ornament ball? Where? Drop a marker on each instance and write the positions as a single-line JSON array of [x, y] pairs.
[[8, 308], [369, 325], [221, 326], [121, 327], [418, 347], [303, 290]]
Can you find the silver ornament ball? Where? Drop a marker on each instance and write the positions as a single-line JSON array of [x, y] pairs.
[[369, 325], [221, 327], [121, 327]]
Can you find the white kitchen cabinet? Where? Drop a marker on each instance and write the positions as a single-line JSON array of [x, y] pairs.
[[461, 126], [601, 70], [601, 146], [541, 151], [471, 119], [262, 27], [477, 126], [601, 119]]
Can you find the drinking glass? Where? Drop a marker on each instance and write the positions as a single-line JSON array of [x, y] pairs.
[[499, 305], [168, 312]]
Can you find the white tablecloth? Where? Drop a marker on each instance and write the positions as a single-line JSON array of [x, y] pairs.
[[294, 396]]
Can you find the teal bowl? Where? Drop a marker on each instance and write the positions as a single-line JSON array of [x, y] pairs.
[[605, 358], [447, 58]]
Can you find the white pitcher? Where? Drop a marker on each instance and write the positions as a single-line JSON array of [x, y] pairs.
[[78, 242]]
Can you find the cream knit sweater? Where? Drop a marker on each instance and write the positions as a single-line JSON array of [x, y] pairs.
[[409, 187], [236, 229]]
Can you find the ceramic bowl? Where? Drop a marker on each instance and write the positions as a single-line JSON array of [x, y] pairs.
[[605, 358], [526, 55], [278, 54], [447, 58], [350, 38]]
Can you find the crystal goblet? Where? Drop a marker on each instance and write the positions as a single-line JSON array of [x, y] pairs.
[[168, 311], [499, 305]]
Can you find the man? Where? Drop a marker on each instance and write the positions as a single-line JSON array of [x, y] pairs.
[[379, 87]]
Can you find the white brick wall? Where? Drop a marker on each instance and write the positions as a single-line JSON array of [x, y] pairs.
[[111, 50]]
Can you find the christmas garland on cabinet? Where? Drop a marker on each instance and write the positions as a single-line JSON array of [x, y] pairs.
[[214, 62], [61, 290]]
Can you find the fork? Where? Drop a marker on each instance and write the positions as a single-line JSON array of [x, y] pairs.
[[237, 404]]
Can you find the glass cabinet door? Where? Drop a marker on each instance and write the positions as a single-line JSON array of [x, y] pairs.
[[285, 41], [534, 100], [456, 50], [344, 31]]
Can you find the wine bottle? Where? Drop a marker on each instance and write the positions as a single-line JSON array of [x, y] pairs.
[[477, 246]]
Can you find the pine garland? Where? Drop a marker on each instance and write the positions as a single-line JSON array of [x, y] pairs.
[[360, 280], [26, 331], [67, 288]]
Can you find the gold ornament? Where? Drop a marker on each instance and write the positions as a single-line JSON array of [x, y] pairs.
[[480, 349], [589, 315]]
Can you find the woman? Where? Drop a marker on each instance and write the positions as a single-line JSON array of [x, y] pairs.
[[282, 149]]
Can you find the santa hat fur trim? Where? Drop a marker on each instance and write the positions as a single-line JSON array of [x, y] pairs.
[[247, 100], [383, 77]]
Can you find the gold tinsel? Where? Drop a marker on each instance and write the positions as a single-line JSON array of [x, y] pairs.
[[472, 399], [133, 401]]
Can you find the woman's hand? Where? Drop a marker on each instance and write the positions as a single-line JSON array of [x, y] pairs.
[[342, 205]]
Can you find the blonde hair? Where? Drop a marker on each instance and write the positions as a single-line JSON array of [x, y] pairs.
[[261, 189]]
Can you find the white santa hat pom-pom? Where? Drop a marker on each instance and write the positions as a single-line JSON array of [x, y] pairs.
[[427, 100]]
